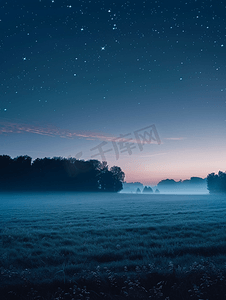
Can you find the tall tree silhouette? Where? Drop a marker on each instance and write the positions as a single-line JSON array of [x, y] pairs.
[[216, 183]]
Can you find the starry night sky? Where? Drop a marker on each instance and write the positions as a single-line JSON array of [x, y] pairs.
[[75, 74]]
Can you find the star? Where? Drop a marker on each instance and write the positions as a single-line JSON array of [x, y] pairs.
[[103, 48]]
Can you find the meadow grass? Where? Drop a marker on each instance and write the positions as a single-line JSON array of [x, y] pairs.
[[65, 246]]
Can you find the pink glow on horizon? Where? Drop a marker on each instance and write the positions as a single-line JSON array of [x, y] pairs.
[[178, 166]]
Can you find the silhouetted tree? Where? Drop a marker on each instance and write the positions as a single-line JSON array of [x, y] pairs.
[[111, 180], [147, 189], [168, 182], [5, 163], [192, 184], [216, 183], [58, 173]]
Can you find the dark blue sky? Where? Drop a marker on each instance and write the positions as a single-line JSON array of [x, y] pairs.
[[77, 73]]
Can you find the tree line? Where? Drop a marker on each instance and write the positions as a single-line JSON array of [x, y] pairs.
[[58, 174], [216, 183]]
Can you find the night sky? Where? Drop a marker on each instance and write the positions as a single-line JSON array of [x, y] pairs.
[[79, 74]]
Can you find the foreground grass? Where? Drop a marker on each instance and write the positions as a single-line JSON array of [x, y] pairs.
[[138, 248], [202, 281]]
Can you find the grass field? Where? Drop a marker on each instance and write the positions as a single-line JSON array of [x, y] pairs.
[[112, 246]]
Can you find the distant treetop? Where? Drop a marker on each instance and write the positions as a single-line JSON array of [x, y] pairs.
[[147, 189]]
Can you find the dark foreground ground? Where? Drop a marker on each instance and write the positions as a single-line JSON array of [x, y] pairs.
[[76, 246], [202, 282]]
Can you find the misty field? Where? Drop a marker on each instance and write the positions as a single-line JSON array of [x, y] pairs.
[[112, 246]]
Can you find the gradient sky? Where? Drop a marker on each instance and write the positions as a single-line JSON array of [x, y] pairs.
[[75, 74]]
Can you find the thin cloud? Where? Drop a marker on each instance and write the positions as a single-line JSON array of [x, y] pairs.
[[175, 138], [12, 127], [8, 127]]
